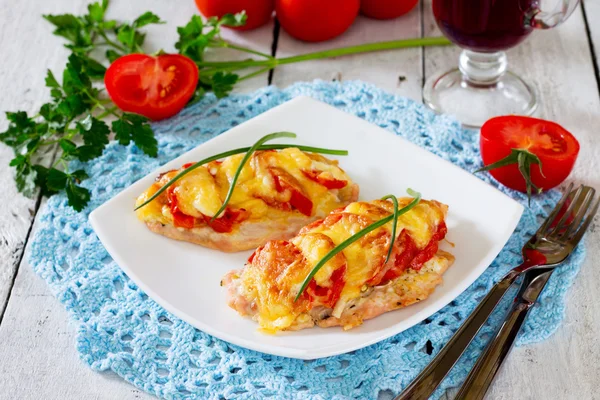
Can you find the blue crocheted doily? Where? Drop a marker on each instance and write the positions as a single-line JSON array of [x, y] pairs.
[[123, 330]]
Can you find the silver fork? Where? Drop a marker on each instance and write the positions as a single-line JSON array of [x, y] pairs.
[[548, 247], [482, 375]]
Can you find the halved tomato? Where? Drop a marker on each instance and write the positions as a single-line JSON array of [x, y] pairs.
[[155, 87], [514, 140]]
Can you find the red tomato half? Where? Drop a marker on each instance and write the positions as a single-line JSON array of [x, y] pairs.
[[259, 12], [386, 9], [556, 148], [316, 20], [155, 87]]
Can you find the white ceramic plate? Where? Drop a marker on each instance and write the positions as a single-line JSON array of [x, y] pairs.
[[184, 278]]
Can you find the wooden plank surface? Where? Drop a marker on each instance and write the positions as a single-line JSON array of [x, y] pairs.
[[592, 12], [21, 91], [398, 71], [37, 354]]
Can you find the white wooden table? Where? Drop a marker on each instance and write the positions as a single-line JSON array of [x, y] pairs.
[[38, 359]]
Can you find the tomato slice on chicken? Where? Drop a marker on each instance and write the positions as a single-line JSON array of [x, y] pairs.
[[155, 87], [286, 182], [513, 136], [328, 295], [325, 178], [179, 218], [224, 224]]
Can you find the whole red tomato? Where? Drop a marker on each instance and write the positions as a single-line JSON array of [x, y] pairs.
[[556, 148], [259, 11], [155, 87], [316, 20], [386, 9]]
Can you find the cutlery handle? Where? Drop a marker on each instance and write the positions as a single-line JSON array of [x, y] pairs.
[[484, 371], [482, 375], [430, 378]]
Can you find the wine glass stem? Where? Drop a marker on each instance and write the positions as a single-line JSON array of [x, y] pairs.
[[482, 69]]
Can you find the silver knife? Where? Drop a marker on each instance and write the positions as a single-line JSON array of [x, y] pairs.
[[481, 376]]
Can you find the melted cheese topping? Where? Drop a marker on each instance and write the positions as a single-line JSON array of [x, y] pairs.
[[202, 191], [273, 280]]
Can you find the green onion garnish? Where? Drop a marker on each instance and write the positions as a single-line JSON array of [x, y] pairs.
[[249, 153], [394, 223], [340, 247], [239, 151]]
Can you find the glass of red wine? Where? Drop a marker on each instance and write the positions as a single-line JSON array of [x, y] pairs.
[[482, 87]]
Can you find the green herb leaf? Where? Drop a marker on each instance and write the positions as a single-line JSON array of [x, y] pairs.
[[26, 178], [71, 28], [231, 20], [132, 127], [112, 55], [21, 128], [146, 19], [79, 175], [67, 146], [41, 180], [95, 138], [75, 78], [233, 152], [78, 196], [340, 247], [126, 35], [96, 12], [123, 131], [222, 83], [51, 81], [192, 40], [93, 68], [236, 176], [57, 180]]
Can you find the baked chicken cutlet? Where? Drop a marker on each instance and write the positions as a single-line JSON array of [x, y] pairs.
[[356, 284], [277, 193]]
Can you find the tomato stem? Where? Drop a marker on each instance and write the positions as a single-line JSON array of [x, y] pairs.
[[111, 43], [107, 112], [524, 160]]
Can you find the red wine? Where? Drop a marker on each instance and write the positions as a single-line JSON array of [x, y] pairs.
[[484, 25]]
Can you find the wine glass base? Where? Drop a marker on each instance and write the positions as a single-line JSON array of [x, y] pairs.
[[473, 104]]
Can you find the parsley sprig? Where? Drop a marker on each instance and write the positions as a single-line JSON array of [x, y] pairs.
[[363, 232], [75, 119]]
